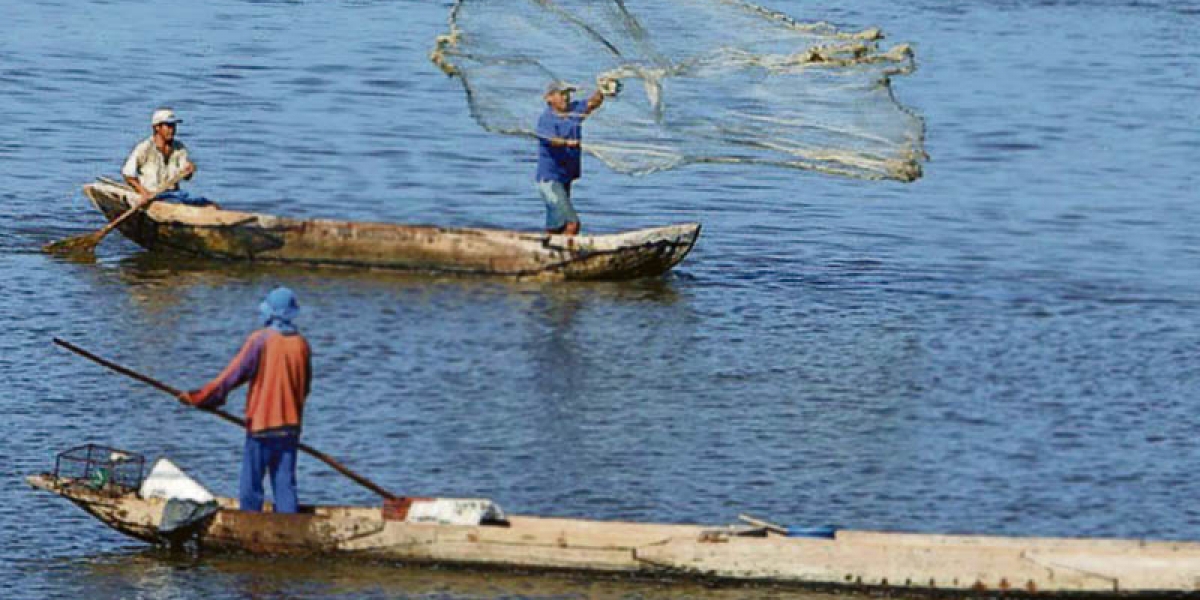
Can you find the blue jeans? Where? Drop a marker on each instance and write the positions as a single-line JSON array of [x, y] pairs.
[[276, 456], [183, 197], [559, 211]]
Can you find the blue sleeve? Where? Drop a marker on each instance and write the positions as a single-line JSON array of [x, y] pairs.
[[577, 108], [545, 126]]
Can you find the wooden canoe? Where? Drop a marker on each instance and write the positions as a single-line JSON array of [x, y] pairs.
[[232, 235], [854, 560]]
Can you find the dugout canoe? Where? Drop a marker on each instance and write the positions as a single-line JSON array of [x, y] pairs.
[[232, 235], [865, 561]]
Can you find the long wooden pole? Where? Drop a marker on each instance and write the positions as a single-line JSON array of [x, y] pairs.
[[325, 458]]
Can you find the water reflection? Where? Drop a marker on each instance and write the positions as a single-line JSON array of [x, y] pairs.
[[553, 345], [158, 573], [155, 280]]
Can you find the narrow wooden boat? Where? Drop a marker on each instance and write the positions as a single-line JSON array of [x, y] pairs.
[[232, 235], [857, 560]]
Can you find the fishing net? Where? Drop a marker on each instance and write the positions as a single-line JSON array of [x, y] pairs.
[[704, 81]]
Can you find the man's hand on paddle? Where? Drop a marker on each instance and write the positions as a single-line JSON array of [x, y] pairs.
[[146, 195]]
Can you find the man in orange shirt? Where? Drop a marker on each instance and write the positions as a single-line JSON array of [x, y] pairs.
[[277, 362]]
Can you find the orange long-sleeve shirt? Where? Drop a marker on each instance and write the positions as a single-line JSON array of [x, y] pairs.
[[279, 369]]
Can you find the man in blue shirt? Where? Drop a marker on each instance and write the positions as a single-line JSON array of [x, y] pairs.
[[559, 132]]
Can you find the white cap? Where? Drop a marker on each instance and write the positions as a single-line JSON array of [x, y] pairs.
[[558, 86], [164, 115]]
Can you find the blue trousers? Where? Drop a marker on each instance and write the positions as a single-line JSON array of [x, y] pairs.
[[274, 456], [559, 210], [183, 197]]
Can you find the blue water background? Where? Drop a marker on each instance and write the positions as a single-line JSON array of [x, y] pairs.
[[1006, 346]]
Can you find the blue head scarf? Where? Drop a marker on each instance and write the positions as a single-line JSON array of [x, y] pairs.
[[278, 310]]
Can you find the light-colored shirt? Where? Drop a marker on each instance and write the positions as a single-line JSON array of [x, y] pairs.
[[150, 168]]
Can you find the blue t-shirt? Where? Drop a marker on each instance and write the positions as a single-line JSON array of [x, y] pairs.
[[560, 163]]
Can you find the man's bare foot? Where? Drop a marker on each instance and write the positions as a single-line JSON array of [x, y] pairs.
[[568, 229]]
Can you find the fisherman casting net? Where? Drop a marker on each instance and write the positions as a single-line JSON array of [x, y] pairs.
[[705, 81]]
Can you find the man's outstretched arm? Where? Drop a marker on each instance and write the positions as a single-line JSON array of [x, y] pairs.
[[594, 102], [605, 86]]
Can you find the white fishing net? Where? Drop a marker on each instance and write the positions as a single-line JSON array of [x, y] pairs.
[[714, 81]]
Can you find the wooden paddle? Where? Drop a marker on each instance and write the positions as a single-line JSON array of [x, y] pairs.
[[177, 394], [86, 244]]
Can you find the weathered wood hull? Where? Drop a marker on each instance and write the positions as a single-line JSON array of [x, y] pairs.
[[857, 560], [232, 235]]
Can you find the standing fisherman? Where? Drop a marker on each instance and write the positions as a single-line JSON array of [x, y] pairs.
[[560, 133], [277, 362]]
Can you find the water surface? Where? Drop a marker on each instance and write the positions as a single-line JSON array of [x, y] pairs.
[[1006, 346]]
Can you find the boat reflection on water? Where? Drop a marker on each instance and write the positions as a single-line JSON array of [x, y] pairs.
[[158, 572], [442, 310], [156, 281]]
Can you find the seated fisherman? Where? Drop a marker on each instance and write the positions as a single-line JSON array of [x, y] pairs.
[[159, 159]]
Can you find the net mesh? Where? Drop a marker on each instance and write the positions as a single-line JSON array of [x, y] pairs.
[[100, 468], [705, 81]]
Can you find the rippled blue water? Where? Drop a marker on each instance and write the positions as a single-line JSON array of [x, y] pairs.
[[1005, 346]]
